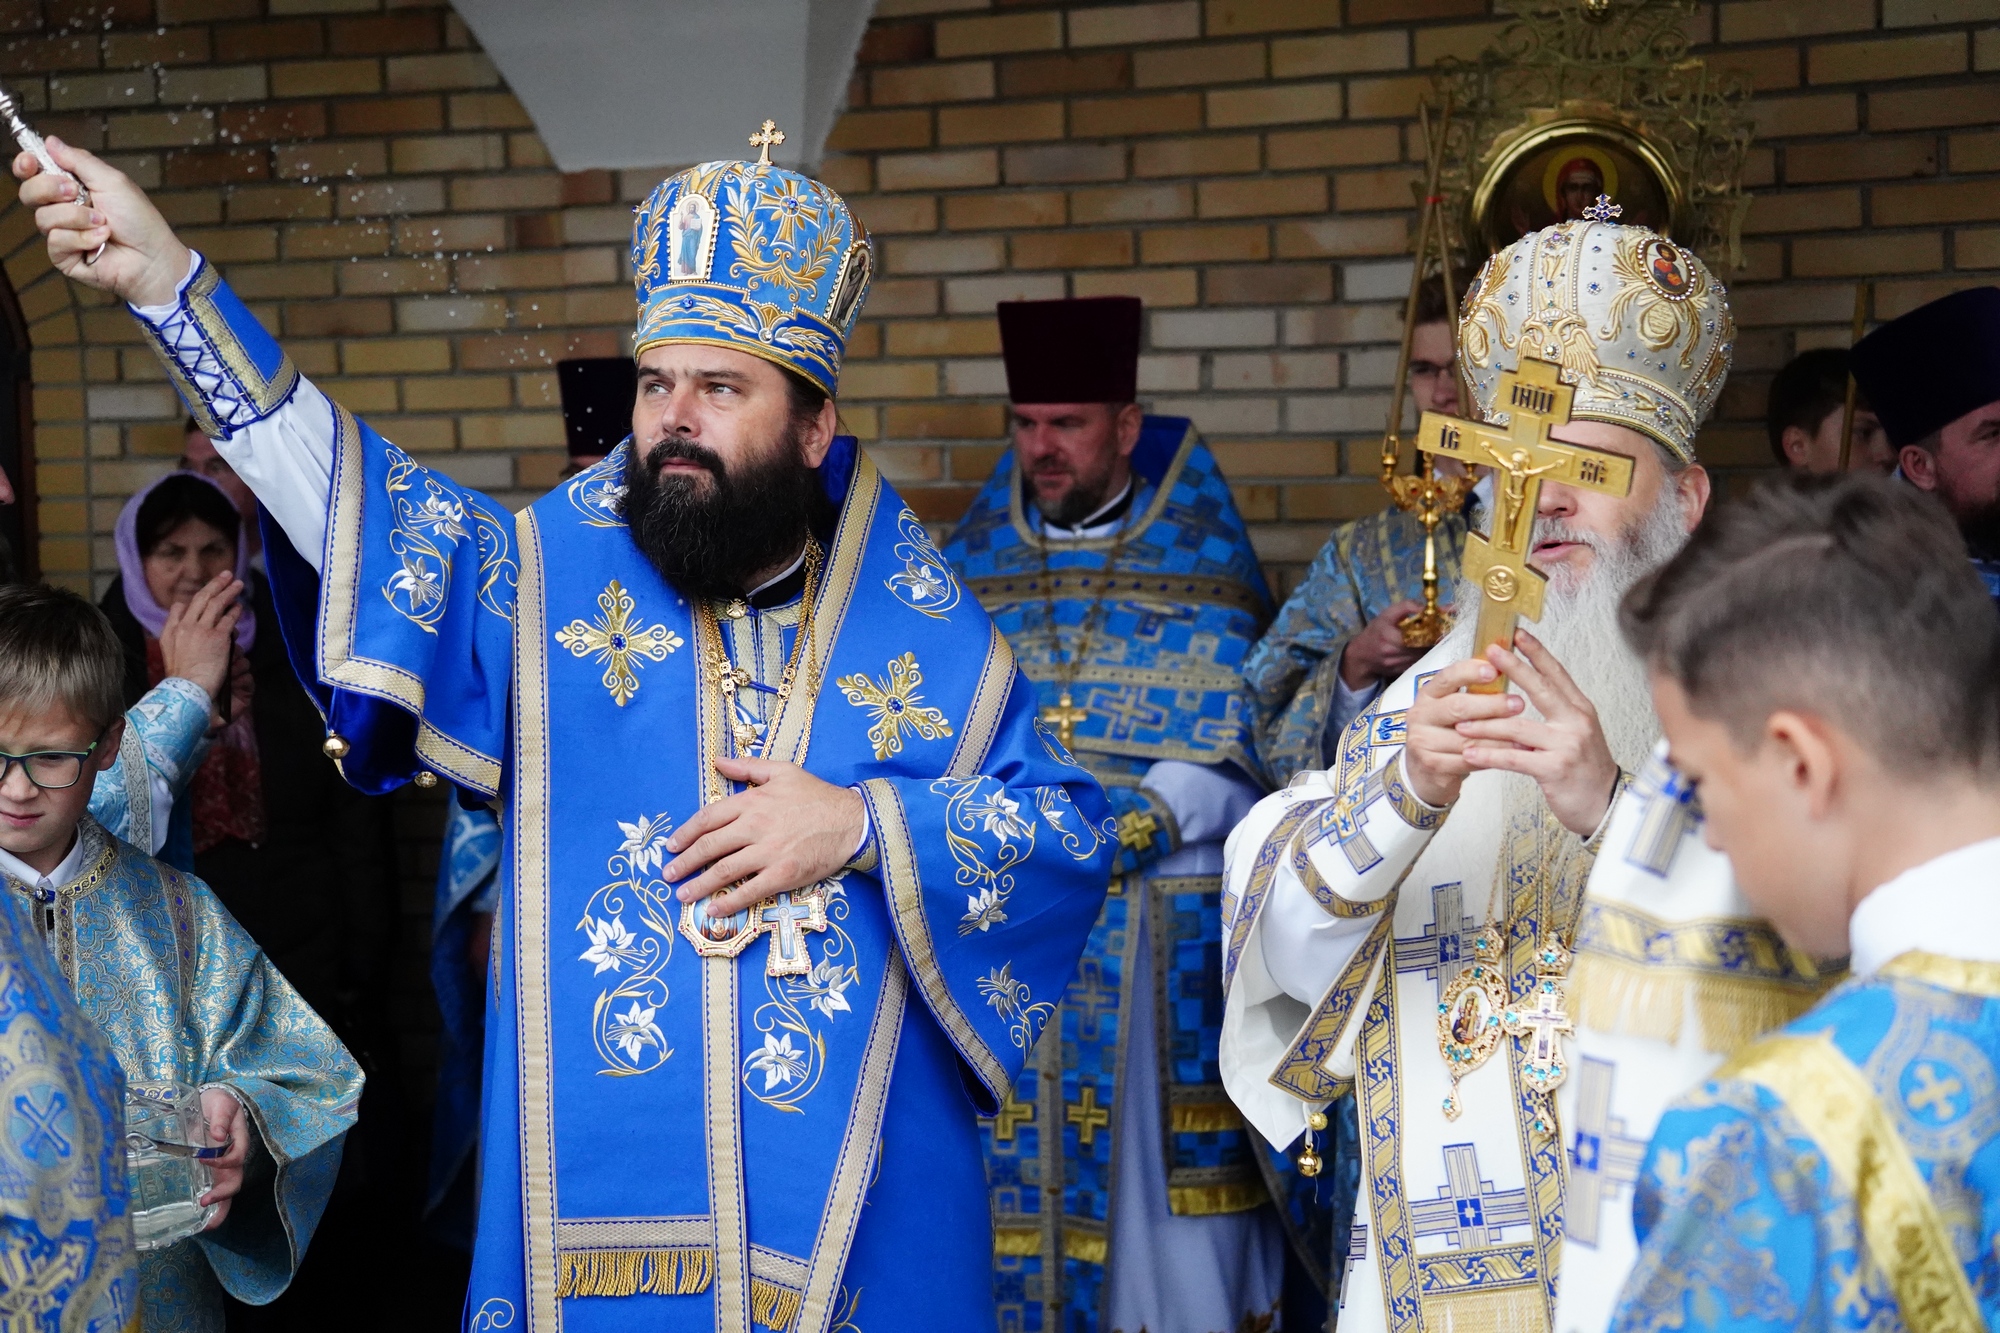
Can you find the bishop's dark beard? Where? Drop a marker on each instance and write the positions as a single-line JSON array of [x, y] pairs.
[[710, 538]]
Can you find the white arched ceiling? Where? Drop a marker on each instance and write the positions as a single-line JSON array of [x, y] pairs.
[[626, 83]]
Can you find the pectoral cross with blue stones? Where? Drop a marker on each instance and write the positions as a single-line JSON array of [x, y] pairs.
[[1523, 454], [785, 917]]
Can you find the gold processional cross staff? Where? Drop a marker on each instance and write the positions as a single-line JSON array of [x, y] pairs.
[[1523, 454]]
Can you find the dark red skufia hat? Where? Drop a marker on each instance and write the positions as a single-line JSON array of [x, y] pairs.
[[1084, 351], [597, 395]]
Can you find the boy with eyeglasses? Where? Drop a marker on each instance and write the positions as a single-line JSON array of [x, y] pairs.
[[179, 988], [1827, 670]]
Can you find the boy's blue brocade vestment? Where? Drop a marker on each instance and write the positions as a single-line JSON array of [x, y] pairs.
[[1842, 1173], [66, 1259], [183, 993], [1162, 611], [671, 1141]]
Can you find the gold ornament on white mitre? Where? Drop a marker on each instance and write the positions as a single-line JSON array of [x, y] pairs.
[[1638, 324]]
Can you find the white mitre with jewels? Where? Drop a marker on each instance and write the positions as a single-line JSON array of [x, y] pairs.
[[1638, 324]]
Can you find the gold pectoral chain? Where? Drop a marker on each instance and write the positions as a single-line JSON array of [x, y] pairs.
[[727, 677], [1063, 715]]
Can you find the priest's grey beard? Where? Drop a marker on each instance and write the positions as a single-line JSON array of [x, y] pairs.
[[710, 538], [1579, 623]]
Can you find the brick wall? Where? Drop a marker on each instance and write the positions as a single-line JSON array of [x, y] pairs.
[[1245, 166]]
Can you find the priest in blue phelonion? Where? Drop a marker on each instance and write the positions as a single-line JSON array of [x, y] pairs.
[[1107, 548], [793, 873]]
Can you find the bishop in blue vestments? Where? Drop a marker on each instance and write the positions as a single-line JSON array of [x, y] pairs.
[[1108, 550], [793, 874]]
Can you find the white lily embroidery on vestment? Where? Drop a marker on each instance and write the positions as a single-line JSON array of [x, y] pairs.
[[779, 1061], [634, 1030], [611, 944]]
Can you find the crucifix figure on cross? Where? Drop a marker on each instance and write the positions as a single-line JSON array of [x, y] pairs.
[[1523, 454]]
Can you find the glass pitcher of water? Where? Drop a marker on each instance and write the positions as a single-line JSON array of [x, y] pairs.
[[167, 1152]]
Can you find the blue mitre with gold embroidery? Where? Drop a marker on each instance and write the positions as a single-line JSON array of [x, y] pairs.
[[751, 256]]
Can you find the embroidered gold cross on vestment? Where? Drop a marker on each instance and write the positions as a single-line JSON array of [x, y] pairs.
[[767, 137], [1523, 454]]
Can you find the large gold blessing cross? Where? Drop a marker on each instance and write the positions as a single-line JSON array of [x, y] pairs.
[[1522, 455]]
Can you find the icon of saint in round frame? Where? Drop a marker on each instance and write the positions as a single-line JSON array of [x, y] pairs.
[[1551, 172]]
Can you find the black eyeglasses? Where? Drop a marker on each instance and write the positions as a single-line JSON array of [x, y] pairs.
[[51, 770]]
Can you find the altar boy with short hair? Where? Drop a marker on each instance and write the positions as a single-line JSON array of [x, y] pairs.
[[179, 988], [1827, 669]]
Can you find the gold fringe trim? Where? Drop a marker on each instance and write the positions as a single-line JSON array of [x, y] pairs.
[[1202, 1117], [1509, 1310], [1017, 1242], [773, 1306], [1213, 1200], [676, 1272], [1641, 1001]]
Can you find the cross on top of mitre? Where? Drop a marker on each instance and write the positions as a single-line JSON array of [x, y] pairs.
[[1603, 210], [767, 137], [1522, 455]]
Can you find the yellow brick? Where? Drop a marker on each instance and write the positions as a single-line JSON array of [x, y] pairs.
[[373, 396], [1041, 31], [1119, 117], [1141, 203], [945, 421], [1073, 249], [1128, 25], [1862, 256], [911, 85], [460, 69], [324, 78], [1336, 146], [935, 171], [1235, 62], [1764, 68], [1888, 58], [1277, 105], [1986, 49], [1277, 458], [1339, 53], [1382, 99], [1212, 155], [390, 356], [1819, 113], [1804, 210], [1942, 201], [455, 152], [488, 111], [1184, 245], [339, 239], [270, 202], [162, 129], [1391, 187], [889, 381], [1159, 288], [1864, 159], [858, 131], [254, 282], [1266, 197], [512, 430], [944, 337], [903, 464], [1765, 20], [1976, 152], [1972, 249], [1336, 237], [389, 276], [318, 161], [1229, 17], [888, 214], [1015, 122], [1018, 208], [1927, 108]]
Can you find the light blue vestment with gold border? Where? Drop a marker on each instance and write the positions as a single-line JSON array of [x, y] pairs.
[[670, 1140], [183, 993], [1843, 1173], [1165, 611], [66, 1259]]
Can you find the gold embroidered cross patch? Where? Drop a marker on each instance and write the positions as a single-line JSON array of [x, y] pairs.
[[895, 704], [617, 642]]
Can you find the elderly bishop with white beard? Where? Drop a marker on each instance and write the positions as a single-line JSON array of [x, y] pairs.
[[1401, 924]]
